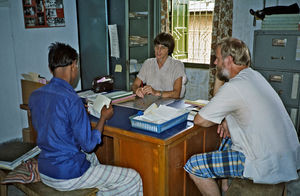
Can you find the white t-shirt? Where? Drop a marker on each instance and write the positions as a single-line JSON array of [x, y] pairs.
[[163, 79], [259, 127]]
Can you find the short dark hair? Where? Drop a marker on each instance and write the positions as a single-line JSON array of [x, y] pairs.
[[61, 55], [165, 39]]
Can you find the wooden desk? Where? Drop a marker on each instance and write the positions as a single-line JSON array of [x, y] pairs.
[[159, 158]]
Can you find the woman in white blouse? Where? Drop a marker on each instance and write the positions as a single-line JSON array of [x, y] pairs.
[[163, 75]]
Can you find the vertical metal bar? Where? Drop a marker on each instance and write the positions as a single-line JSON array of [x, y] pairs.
[[127, 55], [199, 34], [106, 38], [183, 25], [149, 27]]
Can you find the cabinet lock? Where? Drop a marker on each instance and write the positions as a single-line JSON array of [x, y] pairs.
[[277, 58], [276, 78]]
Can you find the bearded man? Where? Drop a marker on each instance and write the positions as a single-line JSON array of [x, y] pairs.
[[261, 141]]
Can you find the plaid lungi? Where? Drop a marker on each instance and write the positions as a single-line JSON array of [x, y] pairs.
[[223, 163], [110, 180]]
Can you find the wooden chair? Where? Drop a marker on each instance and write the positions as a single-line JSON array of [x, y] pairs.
[[40, 189], [244, 187]]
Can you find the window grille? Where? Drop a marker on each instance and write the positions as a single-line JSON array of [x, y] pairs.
[[191, 26]]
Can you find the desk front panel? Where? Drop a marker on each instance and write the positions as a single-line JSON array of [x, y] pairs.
[[159, 162], [198, 140]]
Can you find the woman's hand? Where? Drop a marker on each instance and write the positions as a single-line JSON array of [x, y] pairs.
[[148, 90], [140, 92]]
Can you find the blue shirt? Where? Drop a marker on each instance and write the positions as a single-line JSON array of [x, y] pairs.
[[64, 130]]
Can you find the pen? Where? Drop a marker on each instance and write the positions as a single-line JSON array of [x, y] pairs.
[[142, 84]]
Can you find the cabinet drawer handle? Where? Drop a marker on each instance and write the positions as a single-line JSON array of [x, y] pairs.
[[277, 58], [276, 78]]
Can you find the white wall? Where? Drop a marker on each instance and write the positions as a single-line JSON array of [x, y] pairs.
[[22, 51], [242, 25]]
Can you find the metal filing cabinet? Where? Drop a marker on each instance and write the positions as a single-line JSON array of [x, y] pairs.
[[276, 55]]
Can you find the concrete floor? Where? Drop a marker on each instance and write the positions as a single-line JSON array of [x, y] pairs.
[[13, 191], [293, 189]]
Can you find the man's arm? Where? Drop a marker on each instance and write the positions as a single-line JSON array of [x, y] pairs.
[[198, 120]]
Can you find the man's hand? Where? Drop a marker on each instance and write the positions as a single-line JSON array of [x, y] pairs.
[[107, 113], [223, 130]]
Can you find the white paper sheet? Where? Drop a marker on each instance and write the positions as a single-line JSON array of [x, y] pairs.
[[114, 41], [160, 114]]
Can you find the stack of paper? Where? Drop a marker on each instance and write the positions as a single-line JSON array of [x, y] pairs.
[[281, 22], [35, 77], [137, 40], [120, 96], [161, 114]]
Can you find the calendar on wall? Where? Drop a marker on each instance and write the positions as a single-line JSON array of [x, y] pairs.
[[43, 13]]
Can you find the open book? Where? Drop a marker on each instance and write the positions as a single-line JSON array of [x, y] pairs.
[[13, 153], [96, 101]]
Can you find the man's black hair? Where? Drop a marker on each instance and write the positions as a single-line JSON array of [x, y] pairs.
[[61, 55]]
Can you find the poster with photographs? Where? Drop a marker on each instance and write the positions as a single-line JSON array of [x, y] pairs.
[[43, 13]]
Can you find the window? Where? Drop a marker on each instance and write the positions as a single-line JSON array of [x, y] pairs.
[[191, 26]]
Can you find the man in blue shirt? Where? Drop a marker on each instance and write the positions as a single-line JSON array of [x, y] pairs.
[[65, 136]]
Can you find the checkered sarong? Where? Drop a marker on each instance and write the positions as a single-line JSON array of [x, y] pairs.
[[223, 163], [110, 180]]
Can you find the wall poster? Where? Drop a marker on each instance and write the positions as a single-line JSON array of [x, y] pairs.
[[43, 13]]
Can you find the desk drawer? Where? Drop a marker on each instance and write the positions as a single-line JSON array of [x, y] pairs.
[[286, 84], [276, 51]]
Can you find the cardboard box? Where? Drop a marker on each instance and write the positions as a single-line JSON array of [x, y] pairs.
[[27, 88]]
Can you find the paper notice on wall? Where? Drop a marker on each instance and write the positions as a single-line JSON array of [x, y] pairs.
[[114, 41], [298, 49], [118, 68]]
